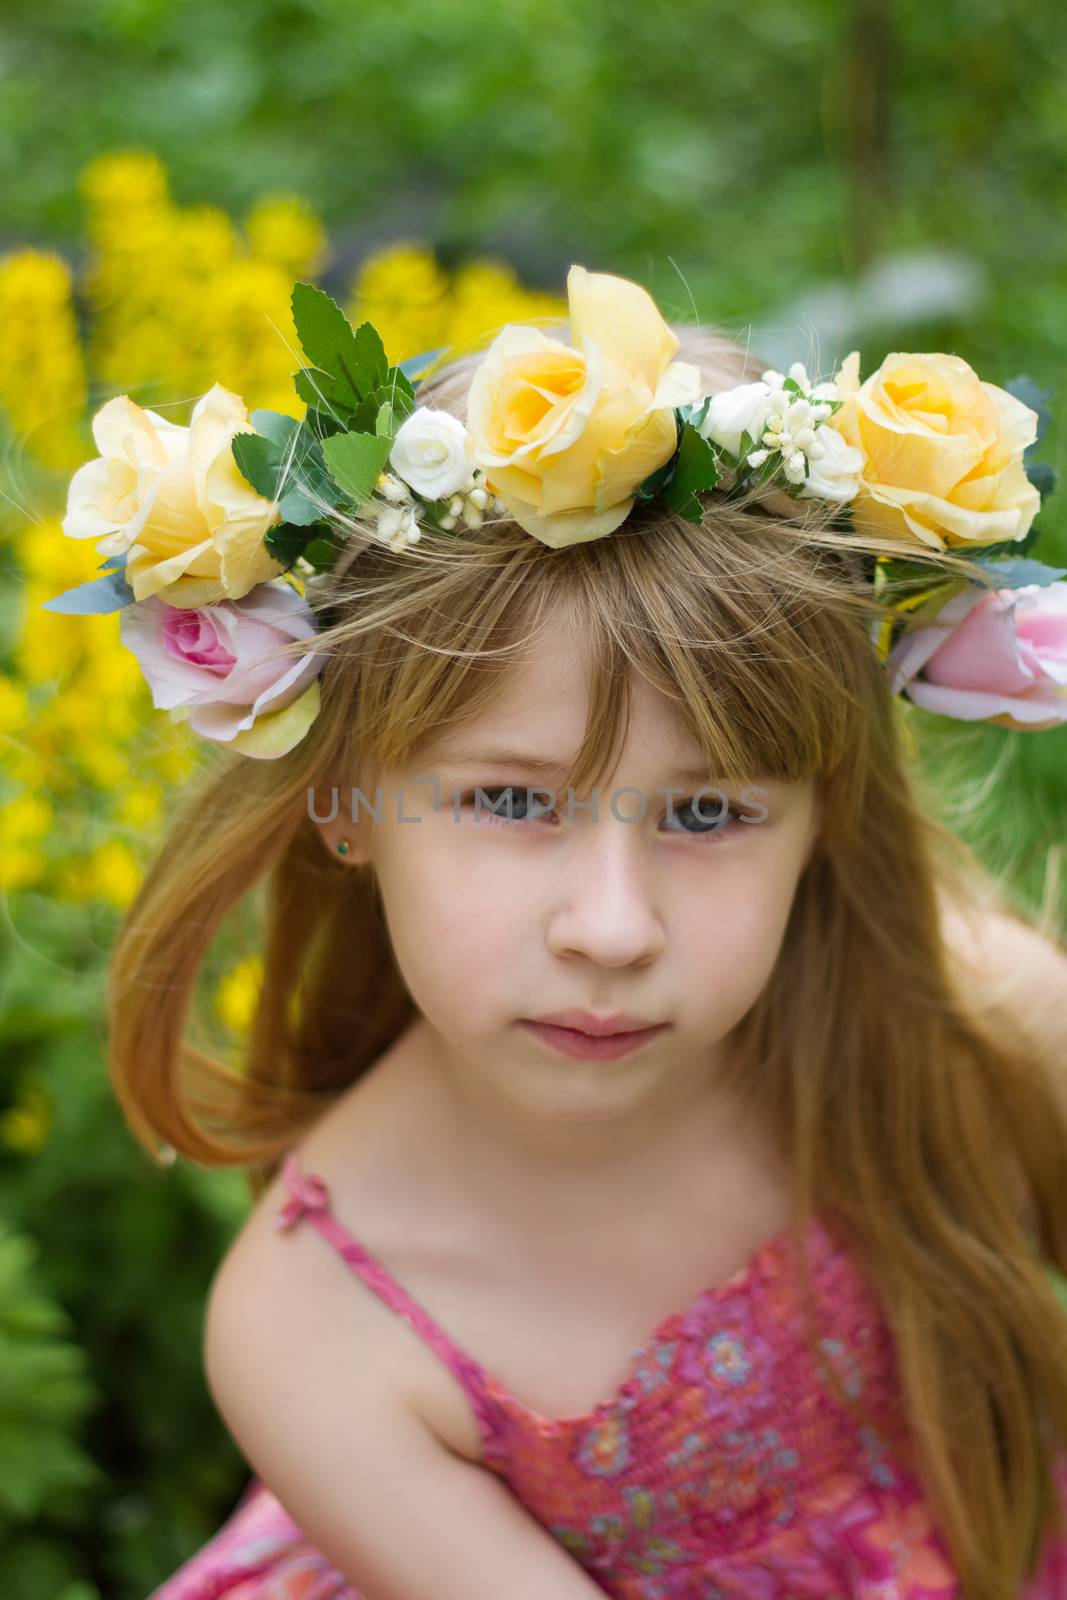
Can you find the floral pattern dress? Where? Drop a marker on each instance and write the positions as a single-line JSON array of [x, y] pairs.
[[724, 1467]]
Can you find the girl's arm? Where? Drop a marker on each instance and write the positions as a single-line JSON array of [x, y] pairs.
[[362, 1475]]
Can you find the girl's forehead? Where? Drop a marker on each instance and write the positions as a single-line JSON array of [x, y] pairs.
[[546, 720], [545, 692]]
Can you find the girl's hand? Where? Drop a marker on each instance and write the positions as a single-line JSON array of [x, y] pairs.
[[365, 1478]]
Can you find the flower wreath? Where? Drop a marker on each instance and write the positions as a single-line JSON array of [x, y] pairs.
[[212, 532]]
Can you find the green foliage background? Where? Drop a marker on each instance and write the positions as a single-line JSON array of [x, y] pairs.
[[756, 165]]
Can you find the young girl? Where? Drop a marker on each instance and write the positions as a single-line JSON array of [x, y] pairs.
[[656, 1121]]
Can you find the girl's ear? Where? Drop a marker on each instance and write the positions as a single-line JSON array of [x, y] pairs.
[[331, 816]]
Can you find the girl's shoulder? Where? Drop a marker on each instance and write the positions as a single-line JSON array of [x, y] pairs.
[[353, 1172]]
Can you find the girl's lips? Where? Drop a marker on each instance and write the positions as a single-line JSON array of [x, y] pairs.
[[586, 1047]]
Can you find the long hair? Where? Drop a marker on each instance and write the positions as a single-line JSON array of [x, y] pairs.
[[921, 1116]]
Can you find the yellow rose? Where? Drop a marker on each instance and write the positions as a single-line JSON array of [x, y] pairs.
[[942, 451], [173, 500], [567, 435]]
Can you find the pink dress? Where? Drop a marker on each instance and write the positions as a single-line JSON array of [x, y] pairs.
[[722, 1468]]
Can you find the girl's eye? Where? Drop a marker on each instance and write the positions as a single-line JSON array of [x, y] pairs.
[[507, 812], [706, 814], [514, 807]]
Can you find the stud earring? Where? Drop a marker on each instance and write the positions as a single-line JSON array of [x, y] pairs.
[[342, 847]]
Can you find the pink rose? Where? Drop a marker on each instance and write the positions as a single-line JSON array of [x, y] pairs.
[[212, 664], [990, 657]]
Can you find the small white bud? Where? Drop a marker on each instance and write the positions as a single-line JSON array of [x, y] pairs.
[[392, 488], [390, 519], [772, 379], [756, 458], [473, 517], [398, 526], [798, 373], [804, 438], [821, 412], [448, 523], [455, 505], [796, 468], [479, 497]]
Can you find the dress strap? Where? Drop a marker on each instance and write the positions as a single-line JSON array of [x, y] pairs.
[[310, 1197]]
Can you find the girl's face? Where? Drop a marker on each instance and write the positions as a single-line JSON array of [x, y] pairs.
[[674, 917]]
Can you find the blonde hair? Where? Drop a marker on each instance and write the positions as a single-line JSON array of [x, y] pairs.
[[916, 1115]]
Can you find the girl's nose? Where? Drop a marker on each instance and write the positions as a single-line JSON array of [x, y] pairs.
[[605, 905]]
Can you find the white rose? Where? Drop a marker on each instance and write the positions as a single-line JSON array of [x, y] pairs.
[[428, 453], [734, 412], [834, 468]]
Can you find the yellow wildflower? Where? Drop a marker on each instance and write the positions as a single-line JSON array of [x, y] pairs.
[[238, 993]]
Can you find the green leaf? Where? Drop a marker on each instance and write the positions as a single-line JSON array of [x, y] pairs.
[[894, 571], [321, 551], [1017, 574], [1042, 476], [696, 469], [695, 414], [370, 356], [385, 422], [355, 460], [363, 418], [259, 461], [309, 471], [286, 541], [316, 389], [287, 468], [277, 426], [295, 507], [95, 598], [320, 424], [352, 362], [656, 481], [400, 392]]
